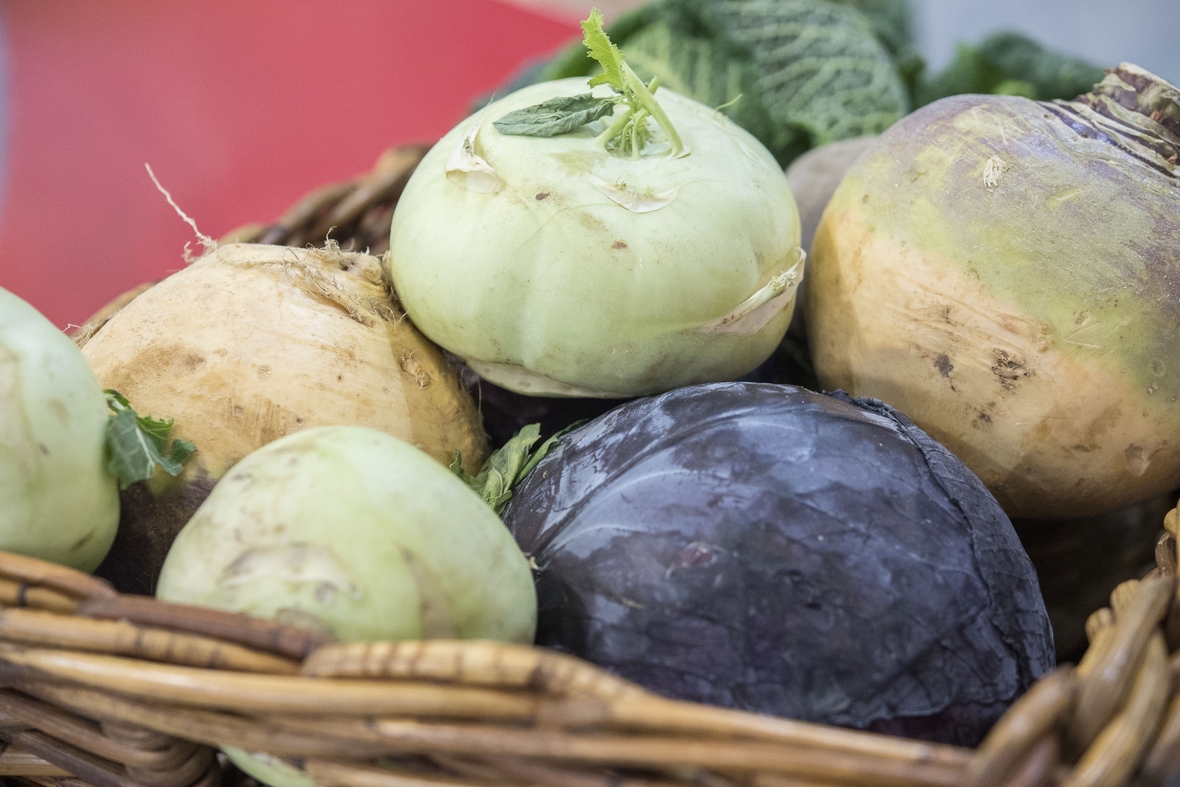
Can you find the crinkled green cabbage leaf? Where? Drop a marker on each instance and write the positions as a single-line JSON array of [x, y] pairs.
[[808, 71]]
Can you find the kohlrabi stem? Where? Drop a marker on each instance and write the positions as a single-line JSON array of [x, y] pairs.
[[644, 96], [636, 135], [613, 130]]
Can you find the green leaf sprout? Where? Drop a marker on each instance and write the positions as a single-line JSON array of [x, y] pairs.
[[137, 443], [509, 465], [629, 133]]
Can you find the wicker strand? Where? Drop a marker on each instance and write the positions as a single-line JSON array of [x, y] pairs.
[[21, 594], [1127, 708], [472, 663], [642, 751], [123, 638], [1116, 751], [256, 633], [1031, 721], [517, 771], [1105, 685], [87, 736], [16, 762], [1040, 767], [208, 727], [98, 772], [345, 773], [31, 571], [356, 212], [246, 692], [627, 706]]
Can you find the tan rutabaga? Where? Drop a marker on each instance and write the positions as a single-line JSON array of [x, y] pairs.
[[1007, 273], [252, 342]]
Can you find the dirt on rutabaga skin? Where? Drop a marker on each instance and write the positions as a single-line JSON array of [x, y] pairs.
[[1007, 273], [251, 343]]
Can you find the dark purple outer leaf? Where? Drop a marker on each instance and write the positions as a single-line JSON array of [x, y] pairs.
[[768, 548]]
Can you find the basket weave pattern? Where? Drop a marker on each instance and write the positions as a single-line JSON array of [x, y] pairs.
[[124, 690], [116, 691]]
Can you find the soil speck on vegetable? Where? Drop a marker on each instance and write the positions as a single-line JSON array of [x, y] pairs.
[[944, 365], [542, 195], [1008, 369], [59, 410], [619, 245]]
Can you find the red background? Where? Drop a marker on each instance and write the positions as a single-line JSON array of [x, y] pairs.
[[240, 107]]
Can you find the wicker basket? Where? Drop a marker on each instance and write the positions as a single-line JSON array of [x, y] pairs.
[[115, 690]]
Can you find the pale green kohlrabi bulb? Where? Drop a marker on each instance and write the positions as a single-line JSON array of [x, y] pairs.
[[58, 501], [349, 530], [556, 266]]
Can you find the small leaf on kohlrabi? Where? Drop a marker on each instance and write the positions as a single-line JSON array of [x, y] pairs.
[[599, 47], [556, 116], [137, 444], [509, 465]]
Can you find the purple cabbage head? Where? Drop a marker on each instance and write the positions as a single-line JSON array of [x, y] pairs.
[[769, 548]]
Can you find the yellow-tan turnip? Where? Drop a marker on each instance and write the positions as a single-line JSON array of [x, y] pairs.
[[250, 343]]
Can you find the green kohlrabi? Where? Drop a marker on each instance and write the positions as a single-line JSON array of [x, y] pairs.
[[58, 500], [599, 237], [352, 531], [349, 530], [66, 445]]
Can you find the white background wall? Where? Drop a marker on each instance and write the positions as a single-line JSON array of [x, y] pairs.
[[1145, 32]]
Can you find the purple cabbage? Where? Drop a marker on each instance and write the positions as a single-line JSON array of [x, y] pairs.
[[765, 547]]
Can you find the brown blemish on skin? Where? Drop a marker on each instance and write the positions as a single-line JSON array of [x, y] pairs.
[[1138, 460], [192, 361], [58, 408], [591, 222], [414, 369], [618, 245], [81, 542], [542, 195], [943, 364], [1108, 418], [1008, 369], [263, 372]]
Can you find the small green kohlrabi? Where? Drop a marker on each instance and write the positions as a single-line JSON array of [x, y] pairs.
[[58, 500], [349, 530], [582, 238]]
